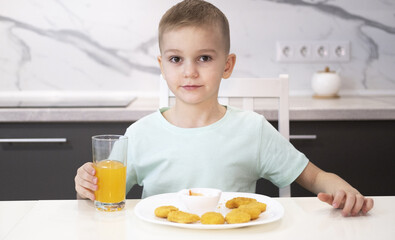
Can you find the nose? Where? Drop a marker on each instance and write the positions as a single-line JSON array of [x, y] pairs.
[[190, 70]]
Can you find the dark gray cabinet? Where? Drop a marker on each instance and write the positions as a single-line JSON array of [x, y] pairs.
[[362, 152], [46, 170]]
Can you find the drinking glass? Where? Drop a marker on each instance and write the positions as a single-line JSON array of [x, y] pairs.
[[109, 160]]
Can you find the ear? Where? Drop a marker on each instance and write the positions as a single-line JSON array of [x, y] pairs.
[[159, 58], [230, 64]]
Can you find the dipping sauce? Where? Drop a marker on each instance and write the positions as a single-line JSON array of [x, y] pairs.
[[195, 194]]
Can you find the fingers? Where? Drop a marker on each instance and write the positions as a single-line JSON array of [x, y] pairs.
[[352, 203], [338, 200], [348, 205], [324, 197], [85, 181], [359, 201], [88, 167], [368, 204], [86, 184], [85, 193], [87, 173]]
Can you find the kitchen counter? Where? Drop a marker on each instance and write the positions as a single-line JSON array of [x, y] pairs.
[[302, 108]]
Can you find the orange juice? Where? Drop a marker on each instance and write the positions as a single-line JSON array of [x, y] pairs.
[[111, 181]]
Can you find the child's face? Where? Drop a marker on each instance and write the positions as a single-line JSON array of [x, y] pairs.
[[193, 61]]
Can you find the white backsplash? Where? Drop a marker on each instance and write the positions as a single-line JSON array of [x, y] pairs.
[[102, 45]]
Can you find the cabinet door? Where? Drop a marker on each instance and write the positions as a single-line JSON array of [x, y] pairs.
[[47, 170], [361, 152]]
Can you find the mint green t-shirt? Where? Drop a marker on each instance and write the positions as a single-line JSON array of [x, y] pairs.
[[230, 154]]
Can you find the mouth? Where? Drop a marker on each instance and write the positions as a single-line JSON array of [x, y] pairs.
[[191, 87]]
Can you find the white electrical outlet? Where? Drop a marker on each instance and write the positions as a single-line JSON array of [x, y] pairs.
[[320, 52], [340, 51], [285, 51], [313, 51]]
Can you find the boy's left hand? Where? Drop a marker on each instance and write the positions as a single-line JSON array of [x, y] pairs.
[[351, 202]]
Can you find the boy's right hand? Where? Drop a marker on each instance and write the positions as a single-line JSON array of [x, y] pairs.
[[85, 181]]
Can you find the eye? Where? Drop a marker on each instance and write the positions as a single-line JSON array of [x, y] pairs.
[[175, 59], [204, 58]]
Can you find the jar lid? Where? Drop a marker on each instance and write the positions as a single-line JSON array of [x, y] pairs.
[[327, 70]]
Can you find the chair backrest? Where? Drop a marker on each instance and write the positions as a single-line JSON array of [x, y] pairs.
[[249, 89]]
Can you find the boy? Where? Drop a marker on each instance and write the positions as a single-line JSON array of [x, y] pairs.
[[193, 144]]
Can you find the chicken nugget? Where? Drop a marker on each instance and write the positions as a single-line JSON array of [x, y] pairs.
[[182, 217], [253, 210], [238, 201], [261, 206], [163, 211], [237, 216], [212, 218]]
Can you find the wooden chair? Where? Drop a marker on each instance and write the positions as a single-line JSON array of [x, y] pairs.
[[249, 89]]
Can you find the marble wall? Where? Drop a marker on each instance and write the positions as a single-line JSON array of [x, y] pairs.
[[112, 45]]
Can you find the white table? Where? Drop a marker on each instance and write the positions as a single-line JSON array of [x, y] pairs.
[[305, 218]]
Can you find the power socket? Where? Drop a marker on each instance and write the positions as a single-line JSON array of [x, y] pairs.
[[340, 51], [313, 51]]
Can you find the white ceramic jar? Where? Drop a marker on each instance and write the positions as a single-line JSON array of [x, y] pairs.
[[326, 84]]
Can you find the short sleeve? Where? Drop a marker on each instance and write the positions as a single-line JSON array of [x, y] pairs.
[[279, 161]]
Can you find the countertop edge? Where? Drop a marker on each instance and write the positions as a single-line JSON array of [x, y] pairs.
[[132, 116], [301, 109]]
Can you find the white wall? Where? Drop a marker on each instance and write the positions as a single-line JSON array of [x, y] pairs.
[[112, 45]]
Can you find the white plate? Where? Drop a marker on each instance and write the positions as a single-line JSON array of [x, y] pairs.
[[146, 207]]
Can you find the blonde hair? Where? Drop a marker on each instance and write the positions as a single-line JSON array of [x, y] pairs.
[[194, 13]]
